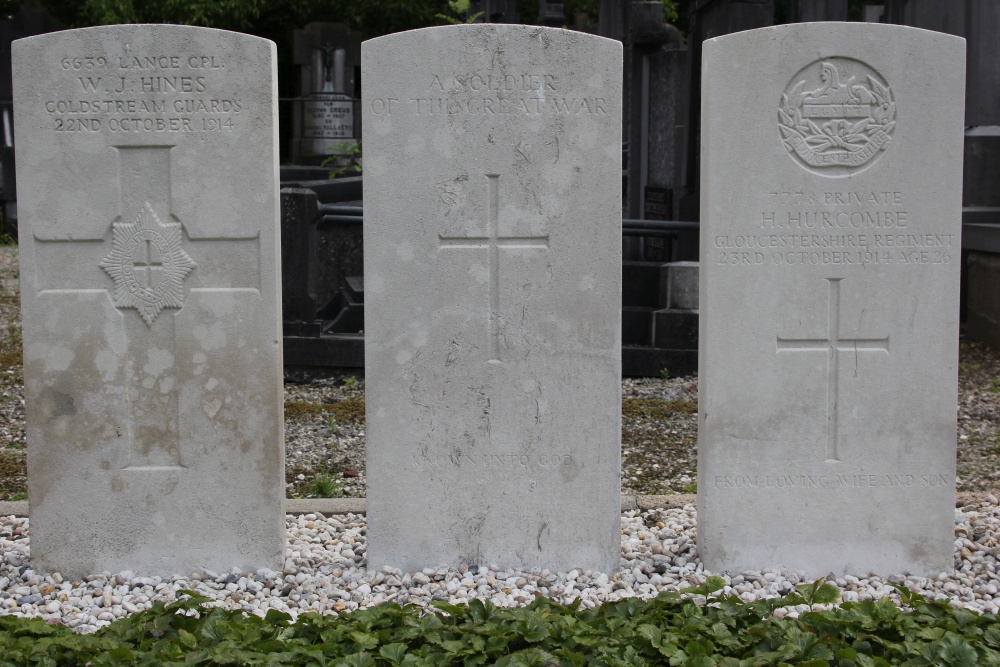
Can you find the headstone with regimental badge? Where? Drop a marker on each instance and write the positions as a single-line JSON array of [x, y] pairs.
[[148, 205], [829, 298], [493, 294]]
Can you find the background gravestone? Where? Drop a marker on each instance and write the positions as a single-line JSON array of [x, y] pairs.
[[148, 220], [492, 292], [327, 57], [829, 298]]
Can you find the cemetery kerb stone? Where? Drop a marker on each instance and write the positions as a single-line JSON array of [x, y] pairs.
[[493, 292], [148, 201], [831, 209]]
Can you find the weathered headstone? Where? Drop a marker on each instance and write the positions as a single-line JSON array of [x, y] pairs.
[[150, 296], [493, 289], [831, 206]]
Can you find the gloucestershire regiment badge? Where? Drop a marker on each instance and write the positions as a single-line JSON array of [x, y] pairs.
[[836, 116]]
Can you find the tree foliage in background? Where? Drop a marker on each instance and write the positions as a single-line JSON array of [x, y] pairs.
[[269, 18]]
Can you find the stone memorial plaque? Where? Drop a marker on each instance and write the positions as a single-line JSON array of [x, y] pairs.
[[329, 116], [493, 296], [830, 252], [148, 202]]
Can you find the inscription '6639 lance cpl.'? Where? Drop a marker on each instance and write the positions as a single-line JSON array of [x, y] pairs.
[[836, 116]]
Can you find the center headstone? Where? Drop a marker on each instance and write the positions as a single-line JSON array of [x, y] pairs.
[[831, 215], [493, 292], [148, 206]]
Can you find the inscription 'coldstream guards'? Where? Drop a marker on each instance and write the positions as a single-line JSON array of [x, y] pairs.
[[836, 115]]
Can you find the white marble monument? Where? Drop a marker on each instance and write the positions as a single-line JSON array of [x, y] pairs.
[[493, 297], [147, 197], [830, 252]]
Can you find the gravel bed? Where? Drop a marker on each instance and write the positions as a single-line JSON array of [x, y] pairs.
[[324, 572]]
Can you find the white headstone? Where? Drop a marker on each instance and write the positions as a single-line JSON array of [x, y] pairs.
[[831, 213], [147, 197], [493, 296]]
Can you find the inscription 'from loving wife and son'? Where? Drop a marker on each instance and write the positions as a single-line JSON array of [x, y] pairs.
[[852, 481], [489, 94], [143, 94]]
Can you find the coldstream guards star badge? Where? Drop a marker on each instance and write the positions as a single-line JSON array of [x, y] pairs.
[[147, 264], [836, 116]]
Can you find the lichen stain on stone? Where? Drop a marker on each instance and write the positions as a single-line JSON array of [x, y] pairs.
[[107, 363], [56, 404], [570, 471], [211, 407]]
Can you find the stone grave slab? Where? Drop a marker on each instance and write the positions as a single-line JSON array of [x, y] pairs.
[[829, 298], [148, 205], [493, 295]]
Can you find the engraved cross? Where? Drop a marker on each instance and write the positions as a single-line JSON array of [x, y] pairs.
[[833, 345], [148, 262], [493, 242]]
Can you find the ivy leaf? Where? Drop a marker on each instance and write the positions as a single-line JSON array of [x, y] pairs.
[[358, 660], [187, 639], [826, 594], [955, 650]]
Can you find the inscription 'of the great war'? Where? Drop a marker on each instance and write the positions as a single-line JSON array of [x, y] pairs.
[[488, 94], [143, 94]]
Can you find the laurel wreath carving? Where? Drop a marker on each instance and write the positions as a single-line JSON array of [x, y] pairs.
[[838, 134]]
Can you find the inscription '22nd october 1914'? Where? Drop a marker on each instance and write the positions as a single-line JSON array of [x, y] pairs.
[[144, 94], [488, 94]]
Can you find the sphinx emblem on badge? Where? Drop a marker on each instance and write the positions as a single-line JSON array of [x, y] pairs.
[[836, 116], [147, 264]]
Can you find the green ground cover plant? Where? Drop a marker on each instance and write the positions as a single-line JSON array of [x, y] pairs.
[[668, 630], [656, 408], [347, 410]]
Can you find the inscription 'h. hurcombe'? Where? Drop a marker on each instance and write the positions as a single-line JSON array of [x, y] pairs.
[[489, 94]]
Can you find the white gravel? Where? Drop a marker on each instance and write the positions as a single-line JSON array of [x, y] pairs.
[[324, 571]]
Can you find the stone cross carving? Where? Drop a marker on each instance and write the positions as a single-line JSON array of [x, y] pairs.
[[833, 345], [493, 242], [148, 267], [148, 263]]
